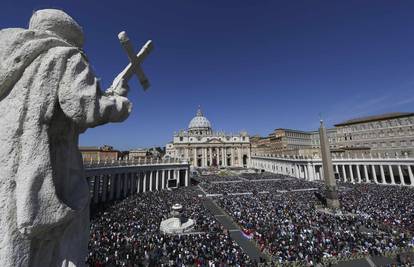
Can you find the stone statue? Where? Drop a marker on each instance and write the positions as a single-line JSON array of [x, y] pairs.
[[48, 96]]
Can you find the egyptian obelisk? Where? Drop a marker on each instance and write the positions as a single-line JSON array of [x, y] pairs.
[[328, 172]]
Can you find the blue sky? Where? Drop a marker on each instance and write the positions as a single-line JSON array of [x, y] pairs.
[[251, 65]]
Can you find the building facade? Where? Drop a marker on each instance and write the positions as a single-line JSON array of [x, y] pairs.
[[282, 141], [145, 153], [202, 147], [104, 153], [391, 133]]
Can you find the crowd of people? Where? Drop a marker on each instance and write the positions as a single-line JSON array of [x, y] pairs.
[[262, 176], [287, 224], [252, 186], [218, 178], [389, 205], [290, 227], [127, 234]]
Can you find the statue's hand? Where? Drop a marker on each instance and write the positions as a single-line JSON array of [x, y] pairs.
[[118, 87]]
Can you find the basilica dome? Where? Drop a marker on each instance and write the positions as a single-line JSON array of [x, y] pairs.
[[199, 122]]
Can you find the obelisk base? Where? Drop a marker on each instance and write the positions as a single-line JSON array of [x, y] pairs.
[[332, 200]]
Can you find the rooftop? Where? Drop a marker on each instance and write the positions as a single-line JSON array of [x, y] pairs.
[[386, 116]]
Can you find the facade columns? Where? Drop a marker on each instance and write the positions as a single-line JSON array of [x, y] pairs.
[[305, 172], [391, 174], [358, 174], [321, 174], [366, 174], [144, 183], [309, 168], [112, 187], [186, 177], [240, 161], [138, 178], [125, 184], [374, 173], [104, 187], [163, 179], [157, 186], [195, 162], [382, 174], [224, 156], [168, 176], [344, 173], [118, 186], [204, 157], [410, 173], [150, 180], [96, 189], [351, 174], [402, 182], [177, 176]]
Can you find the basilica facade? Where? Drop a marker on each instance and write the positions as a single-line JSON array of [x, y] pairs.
[[204, 148]]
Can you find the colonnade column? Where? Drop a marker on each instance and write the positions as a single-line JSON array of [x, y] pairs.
[[118, 186], [382, 174], [224, 156], [240, 157], [402, 182], [351, 173], [336, 169], [305, 172], [186, 177], [391, 174], [344, 173], [125, 184], [138, 176], [358, 174], [210, 149], [374, 173], [321, 174], [366, 174], [205, 157], [410, 173], [157, 183], [310, 173], [112, 187], [232, 156], [150, 180], [104, 187], [163, 179], [195, 157], [96, 189], [144, 183]]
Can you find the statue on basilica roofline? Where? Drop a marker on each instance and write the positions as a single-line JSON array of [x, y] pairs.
[[48, 96]]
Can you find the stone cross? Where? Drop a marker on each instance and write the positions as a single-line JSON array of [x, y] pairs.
[[135, 61]]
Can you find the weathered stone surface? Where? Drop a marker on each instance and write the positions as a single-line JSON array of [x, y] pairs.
[[48, 96]]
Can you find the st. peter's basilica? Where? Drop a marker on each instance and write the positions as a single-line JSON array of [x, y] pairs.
[[204, 148]]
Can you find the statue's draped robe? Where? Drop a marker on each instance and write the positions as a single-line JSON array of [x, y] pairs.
[[48, 95]]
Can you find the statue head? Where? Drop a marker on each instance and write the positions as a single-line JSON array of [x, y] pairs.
[[59, 23]]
